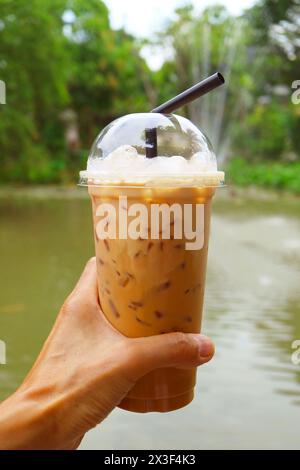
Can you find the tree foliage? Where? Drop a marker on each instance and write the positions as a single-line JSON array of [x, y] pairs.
[[259, 56], [65, 69], [54, 55]]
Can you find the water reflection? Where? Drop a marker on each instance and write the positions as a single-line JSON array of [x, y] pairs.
[[43, 247], [253, 287]]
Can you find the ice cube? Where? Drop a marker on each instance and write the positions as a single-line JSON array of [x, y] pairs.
[[123, 150], [203, 161]]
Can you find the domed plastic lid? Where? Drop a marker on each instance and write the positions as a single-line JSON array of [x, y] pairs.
[[152, 149]]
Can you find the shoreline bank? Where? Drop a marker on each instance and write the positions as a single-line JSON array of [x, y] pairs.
[[75, 192]]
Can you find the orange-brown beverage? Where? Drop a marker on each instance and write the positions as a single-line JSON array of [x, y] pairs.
[[153, 286], [152, 281]]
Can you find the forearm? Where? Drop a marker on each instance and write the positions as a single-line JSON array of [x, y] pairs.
[[31, 423], [43, 416], [20, 423]]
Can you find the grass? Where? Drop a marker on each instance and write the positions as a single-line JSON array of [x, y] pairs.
[[275, 175]]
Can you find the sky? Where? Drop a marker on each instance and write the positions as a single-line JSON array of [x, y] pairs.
[[142, 18]]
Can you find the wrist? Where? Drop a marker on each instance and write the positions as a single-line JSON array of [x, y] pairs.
[[29, 422]]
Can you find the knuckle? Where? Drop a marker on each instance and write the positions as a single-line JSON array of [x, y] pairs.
[[69, 304], [91, 261], [77, 302], [181, 340], [186, 349]]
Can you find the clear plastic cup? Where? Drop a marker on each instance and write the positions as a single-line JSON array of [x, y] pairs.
[[151, 271]]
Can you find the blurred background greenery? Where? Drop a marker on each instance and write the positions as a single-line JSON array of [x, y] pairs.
[[68, 74]]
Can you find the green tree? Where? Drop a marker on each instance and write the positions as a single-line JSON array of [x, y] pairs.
[[60, 58], [109, 74], [34, 66], [274, 38]]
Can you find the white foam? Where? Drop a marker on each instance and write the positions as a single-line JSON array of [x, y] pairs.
[[126, 165]]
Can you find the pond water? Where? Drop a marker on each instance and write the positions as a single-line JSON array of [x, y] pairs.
[[249, 396]]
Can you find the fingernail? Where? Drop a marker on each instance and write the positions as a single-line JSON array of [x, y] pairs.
[[205, 346]]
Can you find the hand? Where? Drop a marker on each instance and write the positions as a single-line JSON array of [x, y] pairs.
[[84, 370]]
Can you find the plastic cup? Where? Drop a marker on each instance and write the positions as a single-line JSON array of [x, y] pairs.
[[152, 280]]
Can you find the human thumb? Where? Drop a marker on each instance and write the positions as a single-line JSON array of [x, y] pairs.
[[179, 350]]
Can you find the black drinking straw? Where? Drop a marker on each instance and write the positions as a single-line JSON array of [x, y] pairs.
[[200, 89], [151, 143], [191, 94]]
